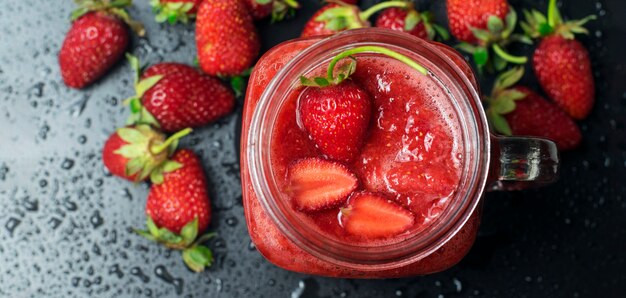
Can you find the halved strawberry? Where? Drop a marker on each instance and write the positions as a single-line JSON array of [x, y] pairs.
[[316, 184], [373, 216]]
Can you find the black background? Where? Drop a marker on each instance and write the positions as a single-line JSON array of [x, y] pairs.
[[64, 222]]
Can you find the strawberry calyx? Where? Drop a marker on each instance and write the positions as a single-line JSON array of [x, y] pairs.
[[492, 41], [111, 7], [347, 16], [147, 151], [195, 255], [433, 30], [281, 9], [538, 25], [138, 113], [502, 100], [172, 12], [348, 69]]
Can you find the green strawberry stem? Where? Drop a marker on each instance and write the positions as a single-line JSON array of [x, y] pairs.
[[374, 49], [156, 149], [383, 5], [508, 57]]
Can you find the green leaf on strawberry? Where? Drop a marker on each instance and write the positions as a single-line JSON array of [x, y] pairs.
[[116, 8], [195, 255], [490, 50], [503, 98], [173, 12], [146, 152], [539, 25]]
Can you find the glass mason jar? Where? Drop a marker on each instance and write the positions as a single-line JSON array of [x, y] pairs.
[[490, 163]]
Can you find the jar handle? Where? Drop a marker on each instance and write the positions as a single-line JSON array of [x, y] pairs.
[[520, 162]]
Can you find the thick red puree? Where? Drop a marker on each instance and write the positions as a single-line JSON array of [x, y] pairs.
[[412, 155], [412, 152]]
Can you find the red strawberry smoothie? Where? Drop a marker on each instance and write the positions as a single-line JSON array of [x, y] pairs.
[[412, 156]]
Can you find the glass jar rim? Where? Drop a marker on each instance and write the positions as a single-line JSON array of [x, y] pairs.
[[365, 258]]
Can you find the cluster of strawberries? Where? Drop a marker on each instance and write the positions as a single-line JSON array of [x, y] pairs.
[[171, 98], [486, 28]]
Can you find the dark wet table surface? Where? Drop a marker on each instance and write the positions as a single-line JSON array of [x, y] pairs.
[[64, 222]]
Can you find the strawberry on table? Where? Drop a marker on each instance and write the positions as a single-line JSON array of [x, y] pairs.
[[178, 210], [278, 9], [138, 152], [464, 15], [521, 111], [97, 39], [409, 20], [173, 11], [485, 28], [174, 96], [226, 39], [373, 216], [317, 184], [562, 63], [340, 16]]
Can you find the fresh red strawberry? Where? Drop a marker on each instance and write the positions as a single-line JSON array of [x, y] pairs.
[[467, 14], [174, 96], [373, 216], [336, 118], [318, 184], [336, 17], [178, 211], [335, 111], [174, 11], [136, 153], [521, 111], [486, 28], [278, 9], [226, 39], [316, 26], [561, 63], [182, 196], [535, 116], [97, 39], [411, 21], [168, 68]]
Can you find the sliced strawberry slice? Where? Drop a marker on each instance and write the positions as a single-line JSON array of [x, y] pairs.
[[373, 216], [317, 184]]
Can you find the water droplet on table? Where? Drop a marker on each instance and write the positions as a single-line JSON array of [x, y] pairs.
[[67, 164], [165, 276], [136, 271], [96, 220]]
